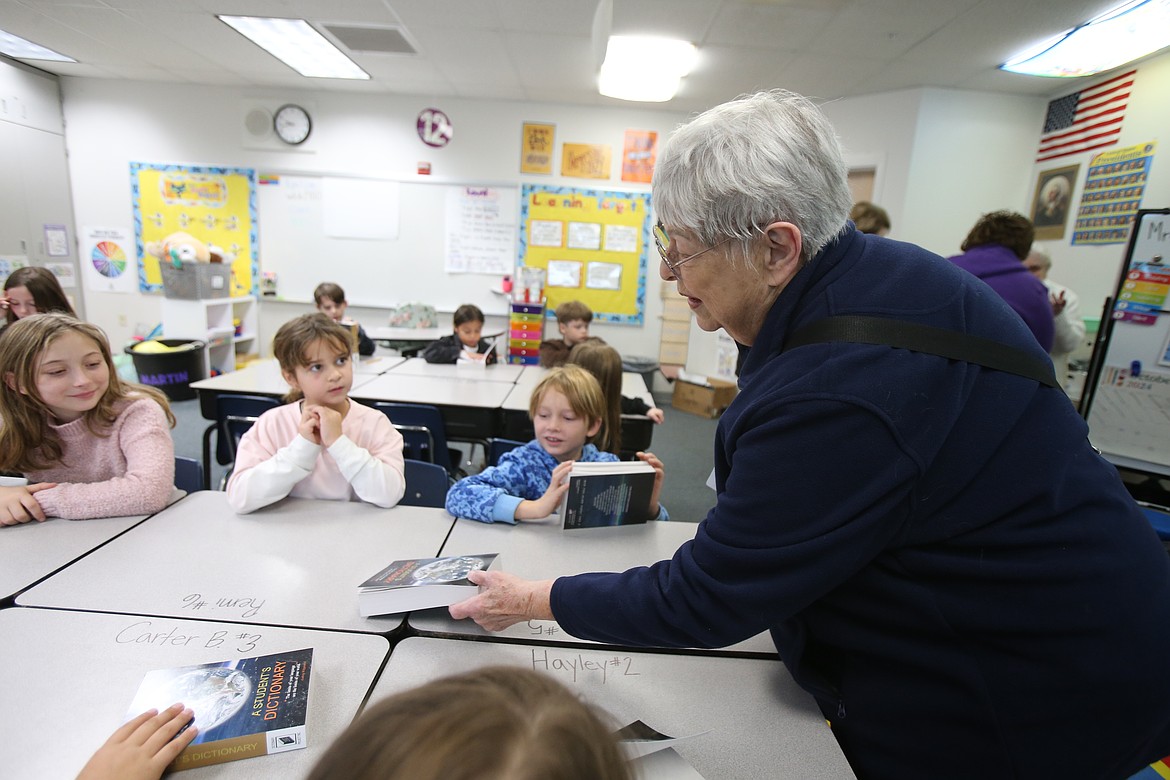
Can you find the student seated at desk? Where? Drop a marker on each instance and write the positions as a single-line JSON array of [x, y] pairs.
[[567, 409], [322, 445], [604, 362], [91, 444], [465, 343], [573, 318], [499, 721], [330, 300]]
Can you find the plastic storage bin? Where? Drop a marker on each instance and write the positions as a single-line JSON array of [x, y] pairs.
[[196, 280], [171, 371]]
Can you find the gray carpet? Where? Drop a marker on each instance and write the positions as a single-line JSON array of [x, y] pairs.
[[683, 442]]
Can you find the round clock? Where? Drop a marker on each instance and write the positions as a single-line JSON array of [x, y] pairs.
[[292, 124]]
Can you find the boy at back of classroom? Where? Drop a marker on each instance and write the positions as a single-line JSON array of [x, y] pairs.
[[573, 318]]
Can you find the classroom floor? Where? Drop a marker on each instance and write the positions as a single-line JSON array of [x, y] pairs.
[[684, 442]]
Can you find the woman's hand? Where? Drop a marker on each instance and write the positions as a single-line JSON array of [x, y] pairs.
[[19, 504], [551, 500], [143, 748], [659, 476], [504, 599]]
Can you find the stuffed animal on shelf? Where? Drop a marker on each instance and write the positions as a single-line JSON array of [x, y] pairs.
[[178, 247]]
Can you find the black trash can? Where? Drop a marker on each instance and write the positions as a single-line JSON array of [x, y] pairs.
[[171, 372]]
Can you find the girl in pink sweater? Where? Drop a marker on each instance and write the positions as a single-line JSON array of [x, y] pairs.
[[322, 445], [89, 444]]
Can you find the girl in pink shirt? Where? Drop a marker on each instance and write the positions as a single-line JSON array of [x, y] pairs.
[[89, 444], [322, 445]]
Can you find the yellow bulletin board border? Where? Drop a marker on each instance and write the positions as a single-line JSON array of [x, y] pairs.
[[215, 204], [626, 213]]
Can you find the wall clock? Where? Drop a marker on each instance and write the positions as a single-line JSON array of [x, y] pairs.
[[292, 124]]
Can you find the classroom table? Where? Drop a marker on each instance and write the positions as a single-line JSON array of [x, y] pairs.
[[34, 550], [476, 371], [263, 377], [296, 563], [748, 717], [540, 550], [69, 678], [373, 365], [470, 407], [415, 336]]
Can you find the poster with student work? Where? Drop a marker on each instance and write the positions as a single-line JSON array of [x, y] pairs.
[[216, 205], [593, 246], [480, 231]]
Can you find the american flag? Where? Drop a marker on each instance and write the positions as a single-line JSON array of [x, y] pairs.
[[1089, 119]]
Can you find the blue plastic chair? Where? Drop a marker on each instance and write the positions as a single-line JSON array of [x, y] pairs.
[[497, 447], [234, 415], [189, 474], [426, 484]]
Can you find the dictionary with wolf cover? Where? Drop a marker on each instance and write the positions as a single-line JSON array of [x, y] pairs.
[[243, 708], [608, 493], [420, 583]]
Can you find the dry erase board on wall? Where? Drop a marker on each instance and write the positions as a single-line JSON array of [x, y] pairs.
[[1128, 406], [387, 242]]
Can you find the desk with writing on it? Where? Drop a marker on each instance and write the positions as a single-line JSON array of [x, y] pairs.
[[540, 550], [69, 678], [470, 407], [298, 562], [758, 721], [34, 550]]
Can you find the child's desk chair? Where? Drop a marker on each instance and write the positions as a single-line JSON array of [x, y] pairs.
[[423, 424], [234, 415], [426, 484]]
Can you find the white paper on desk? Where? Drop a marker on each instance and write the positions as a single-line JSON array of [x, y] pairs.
[[694, 379], [664, 765], [638, 739]]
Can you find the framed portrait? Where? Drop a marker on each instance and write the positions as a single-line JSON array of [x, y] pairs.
[[1052, 201]]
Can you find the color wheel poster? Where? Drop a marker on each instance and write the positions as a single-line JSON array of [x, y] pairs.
[[108, 260]]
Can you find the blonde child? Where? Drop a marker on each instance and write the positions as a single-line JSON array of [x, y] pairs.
[[32, 290], [465, 343], [573, 318], [567, 409], [89, 444], [330, 300], [498, 721], [604, 362], [321, 444]]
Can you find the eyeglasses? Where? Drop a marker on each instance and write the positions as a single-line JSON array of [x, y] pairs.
[[662, 241]]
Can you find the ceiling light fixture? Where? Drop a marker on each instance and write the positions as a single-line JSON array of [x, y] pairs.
[[295, 43], [19, 48], [1120, 35], [647, 70]]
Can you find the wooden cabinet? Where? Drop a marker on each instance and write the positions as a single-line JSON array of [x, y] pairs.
[[229, 326]]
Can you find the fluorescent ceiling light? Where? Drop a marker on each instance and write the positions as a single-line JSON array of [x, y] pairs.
[[644, 69], [1123, 34], [18, 48], [295, 43]]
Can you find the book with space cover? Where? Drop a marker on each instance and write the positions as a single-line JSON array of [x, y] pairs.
[[608, 493], [243, 708], [420, 583]]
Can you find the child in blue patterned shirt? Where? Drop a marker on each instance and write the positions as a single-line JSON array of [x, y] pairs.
[[567, 408]]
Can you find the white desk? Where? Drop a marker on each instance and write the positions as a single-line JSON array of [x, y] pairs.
[[263, 378], [69, 677], [34, 550], [760, 724], [419, 335], [497, 372], [407, 388], [542, 550], [295, 563], [373, 365]]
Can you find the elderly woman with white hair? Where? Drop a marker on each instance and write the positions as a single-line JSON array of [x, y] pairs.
[[905, 498]]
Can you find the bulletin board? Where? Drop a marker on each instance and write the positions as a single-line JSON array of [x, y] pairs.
[[1128, 404], [439, 244], [592, 245], [217, 205]]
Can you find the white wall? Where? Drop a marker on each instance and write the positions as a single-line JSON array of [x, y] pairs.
[[111, 123]]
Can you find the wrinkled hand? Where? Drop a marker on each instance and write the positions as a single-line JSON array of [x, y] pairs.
[[657, 415], [19, 504], [310, 425], [504, 599], [328, 424], [143, 748], [1058, 303], [551, 500], [659, 477]]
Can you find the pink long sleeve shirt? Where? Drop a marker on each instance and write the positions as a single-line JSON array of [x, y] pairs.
[[274, 461], [129, 472]]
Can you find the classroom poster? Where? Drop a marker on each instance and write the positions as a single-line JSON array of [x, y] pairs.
[[1051, 201], [217, 205], [639, 152], [585, 161], [537, 141], [107, 260], [480, 231], [1112, 195], [567, 232]]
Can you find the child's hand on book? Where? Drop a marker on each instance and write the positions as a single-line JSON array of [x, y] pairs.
[[19, 504], [143, 748], [548, 503], [659, 475]]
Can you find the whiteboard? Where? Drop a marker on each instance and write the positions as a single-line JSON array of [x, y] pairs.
[[378, 267], [1128, 408]]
